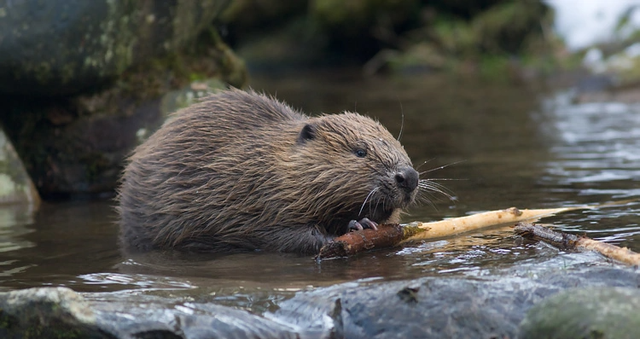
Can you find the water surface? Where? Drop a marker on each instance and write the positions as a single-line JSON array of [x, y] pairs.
[[493, 145]]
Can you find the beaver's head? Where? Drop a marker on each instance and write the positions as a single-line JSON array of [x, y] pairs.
[[352, 168]]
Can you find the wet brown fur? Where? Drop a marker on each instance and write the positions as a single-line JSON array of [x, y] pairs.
[[240, 170]]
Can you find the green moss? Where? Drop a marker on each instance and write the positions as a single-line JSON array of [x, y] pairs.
[[111, 37], [495, 68], [208, 57], [419, 55], [32, 330], [360, 15], [455, 36], [337, 12], [118, 37], [6, 321], [95, 164], [49, 332], [594, 312], [42, 72]]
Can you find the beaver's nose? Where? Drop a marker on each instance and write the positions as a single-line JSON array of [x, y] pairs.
[[407, 179]]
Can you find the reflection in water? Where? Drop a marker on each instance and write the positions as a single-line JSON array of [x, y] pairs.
[[594, 142], [595, 151], [64, 240], [14, 221], [504, 147]]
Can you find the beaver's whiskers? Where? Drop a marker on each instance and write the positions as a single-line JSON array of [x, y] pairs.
[[430, 185], [367, 199], [429, 190]]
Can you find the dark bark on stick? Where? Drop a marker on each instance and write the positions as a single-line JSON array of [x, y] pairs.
[[358, 241], [560, 240], [572, 242]]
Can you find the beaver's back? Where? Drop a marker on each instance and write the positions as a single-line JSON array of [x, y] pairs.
[[180, 181]]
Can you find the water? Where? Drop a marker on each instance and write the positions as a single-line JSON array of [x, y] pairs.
[[493, 145]]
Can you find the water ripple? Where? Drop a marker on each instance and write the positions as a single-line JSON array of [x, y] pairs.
[[593, 143]]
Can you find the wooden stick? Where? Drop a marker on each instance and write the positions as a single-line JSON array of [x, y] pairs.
[[509, 216], [387, 235], [392, 235], [354, 242], [351, 243], [574, 242]]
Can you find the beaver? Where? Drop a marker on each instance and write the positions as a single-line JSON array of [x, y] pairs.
[[243, 171]]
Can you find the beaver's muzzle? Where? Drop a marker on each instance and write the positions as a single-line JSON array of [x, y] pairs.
[[407, 179]]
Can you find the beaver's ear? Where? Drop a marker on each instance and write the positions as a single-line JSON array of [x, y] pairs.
[[307, 133]]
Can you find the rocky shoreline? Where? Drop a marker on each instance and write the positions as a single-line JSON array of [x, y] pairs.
[[593, 299]]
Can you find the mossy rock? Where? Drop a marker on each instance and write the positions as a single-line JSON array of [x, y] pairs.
[[53, 312], [59, 47], [76, 145], [586, 313]]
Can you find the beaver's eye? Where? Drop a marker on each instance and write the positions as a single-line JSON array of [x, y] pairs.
[[360, 153]]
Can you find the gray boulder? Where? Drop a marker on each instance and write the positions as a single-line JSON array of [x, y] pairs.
[[58, 47], [440, 307]]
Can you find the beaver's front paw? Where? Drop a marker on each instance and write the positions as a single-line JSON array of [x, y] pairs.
[[355, 225]]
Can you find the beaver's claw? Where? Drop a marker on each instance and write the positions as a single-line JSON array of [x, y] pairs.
[[355, 225]]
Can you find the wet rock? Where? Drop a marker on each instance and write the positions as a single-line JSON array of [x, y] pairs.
[[186, 320], [189, 95], [77, 145], [67, 46], [15, 184], [429, 307], [62, 313], [618, 94], [67, 151], [436, 307], [595, 83], [585, 313], [118, 59], [47, 313]]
